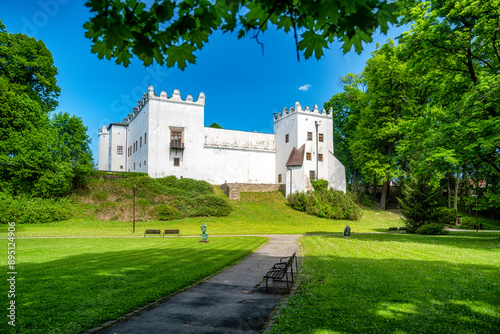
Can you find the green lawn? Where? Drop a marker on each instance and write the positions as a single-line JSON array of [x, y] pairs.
[[397, 283], [256, 213], [70, 285]]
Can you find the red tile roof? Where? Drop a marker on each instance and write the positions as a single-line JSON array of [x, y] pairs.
[[296, 157]]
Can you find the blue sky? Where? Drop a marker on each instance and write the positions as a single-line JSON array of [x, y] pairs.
[[243, 86]]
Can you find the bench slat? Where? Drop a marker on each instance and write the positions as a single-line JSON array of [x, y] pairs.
[[152, 232], [280, 270]]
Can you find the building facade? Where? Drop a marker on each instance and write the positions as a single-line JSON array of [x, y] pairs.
[[165, 135]]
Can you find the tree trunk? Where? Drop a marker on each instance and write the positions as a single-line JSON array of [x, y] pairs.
[[375, 187], [457, 184], [448, 189], [385, 191]]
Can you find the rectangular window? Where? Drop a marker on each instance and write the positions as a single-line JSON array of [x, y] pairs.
[[121, 166], [177, 162], [119, 150], [176, 137], [145, 138], [136, 145], [320, 157], [139, 165], [144, 162], [321, 137], [308, 156], [134, 165], [287, 138], [312, 175], [309, 136], [140, 142], [279, 178], [176, 140]]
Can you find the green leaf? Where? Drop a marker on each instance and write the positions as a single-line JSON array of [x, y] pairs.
[[180, 54], [312, 43]]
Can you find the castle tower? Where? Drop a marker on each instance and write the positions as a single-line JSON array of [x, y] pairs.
[[103, 156], [304, 149]]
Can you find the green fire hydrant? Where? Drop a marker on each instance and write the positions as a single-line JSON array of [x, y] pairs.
[[204, 234]]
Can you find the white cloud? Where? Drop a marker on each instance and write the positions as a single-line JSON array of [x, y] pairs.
[[304, 87]]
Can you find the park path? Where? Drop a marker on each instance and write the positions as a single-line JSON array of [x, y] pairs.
[[234, 301]]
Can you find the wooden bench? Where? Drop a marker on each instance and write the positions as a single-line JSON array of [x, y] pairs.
[[152, 232], [172, 232], [280, 271]]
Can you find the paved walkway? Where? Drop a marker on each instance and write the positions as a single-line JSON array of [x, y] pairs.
[[233, 301]]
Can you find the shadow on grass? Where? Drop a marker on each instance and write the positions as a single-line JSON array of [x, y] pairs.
[[489, 241], [323, 232], [343, 294], [78, 292]]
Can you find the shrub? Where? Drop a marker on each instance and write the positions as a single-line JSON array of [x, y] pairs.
[[298, 201], [26, 210], [329, 203], [432, 229], [319, 185], [165, 212], [444, 216], [211, 205], [468, 222]]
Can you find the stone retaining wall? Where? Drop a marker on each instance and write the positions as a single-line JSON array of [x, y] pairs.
[[233, 190]]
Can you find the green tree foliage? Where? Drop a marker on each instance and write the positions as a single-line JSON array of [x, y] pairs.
[[215, 125], [455, 45], [434, 100], [378, 131], [170, 31], [73, 145], [36, 157], [420, 200], [346, 109]]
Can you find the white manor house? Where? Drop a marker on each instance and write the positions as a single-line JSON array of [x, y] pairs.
[[165, 135]]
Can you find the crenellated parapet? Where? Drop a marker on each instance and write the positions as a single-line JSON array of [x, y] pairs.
[[103, 130], [297, 109], [163, 96], [176, 97]]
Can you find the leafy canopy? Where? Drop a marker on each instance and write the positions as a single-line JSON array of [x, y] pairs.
[[169, 32], [38, 156]]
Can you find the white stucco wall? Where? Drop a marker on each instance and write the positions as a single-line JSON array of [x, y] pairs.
[[238, 156], [138, 129], [103, 154], [297, 122], [337, 178], [117, 137], [285, 124], [167, 114]]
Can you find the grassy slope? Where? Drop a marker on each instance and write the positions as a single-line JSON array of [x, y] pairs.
[[70, 285], [256, 213], [397, 283]]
